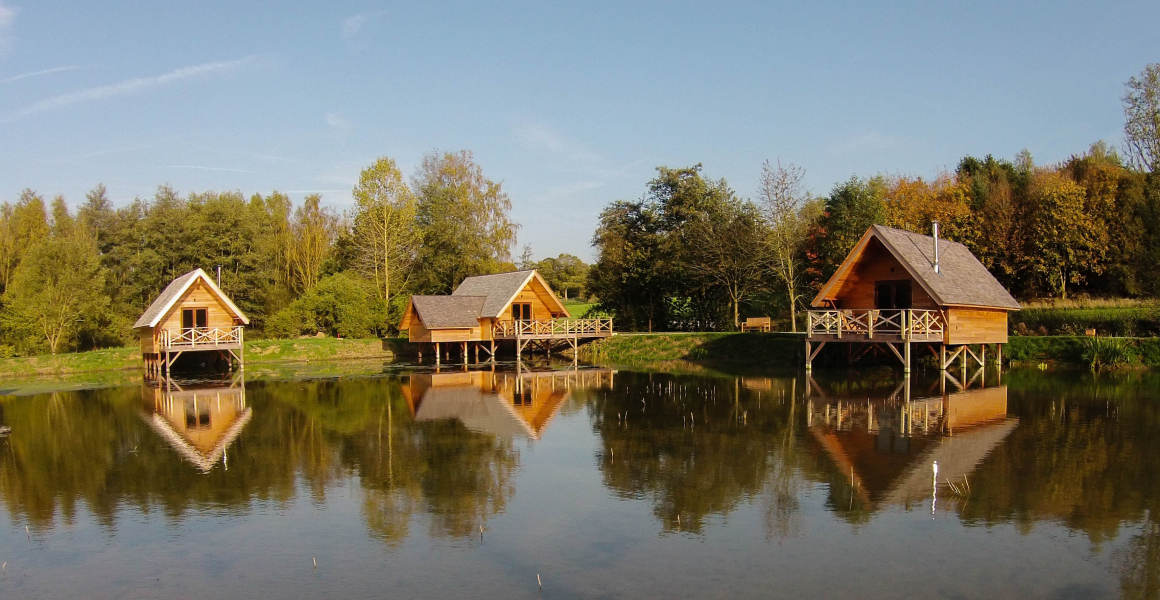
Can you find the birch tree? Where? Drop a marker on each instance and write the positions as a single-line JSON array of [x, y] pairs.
[[1142, 118], [384, 231], [314, 230], [781, 200]]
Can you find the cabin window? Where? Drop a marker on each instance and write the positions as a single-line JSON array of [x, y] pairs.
[[892, 295], [194, 317], [522, 312]]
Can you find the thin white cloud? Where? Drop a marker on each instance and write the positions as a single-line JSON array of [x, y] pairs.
[[351, 26], [132, 86], [7, 17], [336, 121], [39, 73], [203, 168], [536, 136]]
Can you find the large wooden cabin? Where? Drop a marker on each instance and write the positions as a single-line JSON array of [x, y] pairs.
[[898, 288], [486, 309], [192, 314]]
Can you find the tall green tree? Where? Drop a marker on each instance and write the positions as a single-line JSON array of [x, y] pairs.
[[463, 222], [384, 232], [57, 286]]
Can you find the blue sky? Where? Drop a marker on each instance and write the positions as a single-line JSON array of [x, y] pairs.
[[570, 105]]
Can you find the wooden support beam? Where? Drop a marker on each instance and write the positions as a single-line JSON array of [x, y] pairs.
[[437, 357]]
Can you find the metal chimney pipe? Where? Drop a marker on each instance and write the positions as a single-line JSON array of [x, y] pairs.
[[934, 234]]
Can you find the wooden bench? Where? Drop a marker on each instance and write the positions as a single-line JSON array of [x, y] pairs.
[[756, 324]]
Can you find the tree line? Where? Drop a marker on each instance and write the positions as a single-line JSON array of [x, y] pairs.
[[691, 254], [79, 279]]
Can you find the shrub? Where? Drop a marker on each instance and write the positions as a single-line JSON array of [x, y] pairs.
[[342, 305], [1102, 354]]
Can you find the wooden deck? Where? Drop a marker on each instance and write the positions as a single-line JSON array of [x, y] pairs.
[[875, 326], [201, 338], [228, 341], [552, 329]]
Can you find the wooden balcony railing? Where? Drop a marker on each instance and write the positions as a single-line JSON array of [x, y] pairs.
[[552, 328], [200, 338], [904, 325]]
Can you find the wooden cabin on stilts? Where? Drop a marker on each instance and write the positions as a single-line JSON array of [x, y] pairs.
[[486, 310], [898, 290], [192, 315]]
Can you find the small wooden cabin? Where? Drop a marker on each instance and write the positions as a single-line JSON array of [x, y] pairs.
[[899, 288], [192, 314], [486, 309]]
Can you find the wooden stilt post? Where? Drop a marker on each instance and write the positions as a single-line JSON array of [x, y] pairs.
[[477, 353], [493, 351], [906, 363], [999, 356], [963, 361], [809, 358], [464, 348], [942, 359], [437, 357], [983, 356]]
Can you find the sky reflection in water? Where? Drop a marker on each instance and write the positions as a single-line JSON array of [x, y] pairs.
[[605, 483]]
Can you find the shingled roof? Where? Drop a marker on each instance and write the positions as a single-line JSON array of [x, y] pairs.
[[175, 290], [449, 312], [499, 289], [961, 281]]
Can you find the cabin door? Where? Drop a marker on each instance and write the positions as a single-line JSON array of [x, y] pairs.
[[194, 317], [890, 295], [522, 312]]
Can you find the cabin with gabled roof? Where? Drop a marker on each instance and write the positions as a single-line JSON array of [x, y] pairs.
[[192, 314], [897, 288], [518, 306]]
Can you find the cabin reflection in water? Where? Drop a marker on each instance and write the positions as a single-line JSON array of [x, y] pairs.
[[886, 447], [198, 420], [501, 403]]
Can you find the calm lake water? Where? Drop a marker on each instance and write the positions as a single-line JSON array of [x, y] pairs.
[[603, 483]]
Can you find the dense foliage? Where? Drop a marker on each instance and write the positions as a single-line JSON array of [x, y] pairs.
[[78, 280]]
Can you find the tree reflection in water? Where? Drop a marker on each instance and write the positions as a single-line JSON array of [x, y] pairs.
[[440, 452]]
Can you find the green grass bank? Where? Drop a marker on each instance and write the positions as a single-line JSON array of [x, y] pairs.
[[770, 349], [257, 353], [785, 350]]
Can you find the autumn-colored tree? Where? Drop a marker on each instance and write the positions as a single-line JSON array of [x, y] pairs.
[[1064, 241]]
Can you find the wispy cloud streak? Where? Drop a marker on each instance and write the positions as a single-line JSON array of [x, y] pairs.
[[203, 168], [132, 86], [39, 73]]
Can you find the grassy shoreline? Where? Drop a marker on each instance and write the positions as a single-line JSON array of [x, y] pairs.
[[776, 350], [257, 353]]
